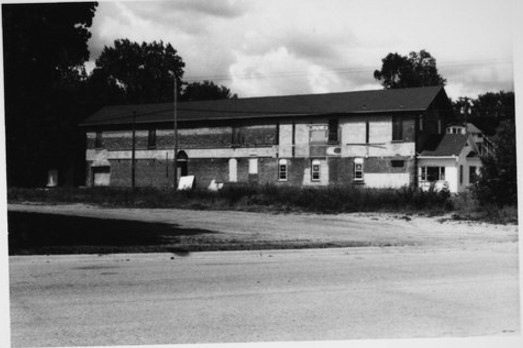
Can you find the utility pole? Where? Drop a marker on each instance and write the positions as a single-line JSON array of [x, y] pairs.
[[133, 165], [175, 120]]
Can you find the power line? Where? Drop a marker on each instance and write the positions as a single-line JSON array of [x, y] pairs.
[[340, 71]]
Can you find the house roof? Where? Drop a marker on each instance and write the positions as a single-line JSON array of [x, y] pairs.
[[360, 102], [450, 145], [471, 128]]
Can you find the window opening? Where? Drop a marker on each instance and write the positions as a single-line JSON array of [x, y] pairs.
[[358, 169], [315, 170], [432, 173], [98, 140], [282, 170], [333, 131], [151, 139], [397, 128]]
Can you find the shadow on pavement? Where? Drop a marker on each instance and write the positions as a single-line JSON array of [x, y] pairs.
[[37, 233]]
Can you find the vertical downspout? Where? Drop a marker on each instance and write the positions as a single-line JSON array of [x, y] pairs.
[[133, 155], [416, 136]]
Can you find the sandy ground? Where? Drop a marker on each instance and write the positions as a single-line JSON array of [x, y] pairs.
[[371, 228]]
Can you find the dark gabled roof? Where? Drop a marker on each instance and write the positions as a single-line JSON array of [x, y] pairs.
[[450, 145], [361, 102]]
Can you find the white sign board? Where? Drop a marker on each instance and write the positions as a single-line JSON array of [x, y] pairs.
[[186, 182]]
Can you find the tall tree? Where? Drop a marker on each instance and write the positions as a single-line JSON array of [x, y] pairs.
[[498, 180], [418, 69], [138, 73], [206, 90], [45, 46]]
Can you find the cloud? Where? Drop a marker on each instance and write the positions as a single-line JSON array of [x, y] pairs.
[[305, 46], [280, 72]]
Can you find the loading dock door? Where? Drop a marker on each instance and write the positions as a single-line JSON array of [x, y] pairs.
[[101, 176]]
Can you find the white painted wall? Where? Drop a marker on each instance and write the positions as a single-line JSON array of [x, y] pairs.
[[268, 151], [386, 180]]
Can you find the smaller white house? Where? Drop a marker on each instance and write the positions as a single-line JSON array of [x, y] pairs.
[[453, 163]]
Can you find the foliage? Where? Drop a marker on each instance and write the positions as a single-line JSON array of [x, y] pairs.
[[331, 199], [498, 180], [139, 73], [45, 46], [418, 69], [206, 90], [486, 111]]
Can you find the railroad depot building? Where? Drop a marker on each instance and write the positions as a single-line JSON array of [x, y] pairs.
[[378, 139]]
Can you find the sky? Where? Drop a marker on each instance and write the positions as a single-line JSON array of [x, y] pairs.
[[282, 47]]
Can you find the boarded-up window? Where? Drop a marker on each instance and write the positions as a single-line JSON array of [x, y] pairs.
[[253, 166], [318, 134], [233, 170], [397, 128]]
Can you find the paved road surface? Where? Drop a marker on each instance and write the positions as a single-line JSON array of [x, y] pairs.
[[264, 296]]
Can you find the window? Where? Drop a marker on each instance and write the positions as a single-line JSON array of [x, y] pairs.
[[151, 139], [315, 170], [432, 173], [473, 175], [282, 170], [358, 169], [333, 131], [98, 140], [461, 174], [236, 138], [367, 132], [397, 128], [397, 164]]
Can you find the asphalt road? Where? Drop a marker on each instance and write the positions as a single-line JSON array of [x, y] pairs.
[[297, 295]]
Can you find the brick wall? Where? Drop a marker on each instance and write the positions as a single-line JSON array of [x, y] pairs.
[[204, 137]]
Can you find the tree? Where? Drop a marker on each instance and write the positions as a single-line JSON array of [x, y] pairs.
[[138, 73], [45, 46], [414, 70], [206, 90], [498, 180], [487, 111]]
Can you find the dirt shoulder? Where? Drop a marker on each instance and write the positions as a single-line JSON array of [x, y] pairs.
[[233, 230]]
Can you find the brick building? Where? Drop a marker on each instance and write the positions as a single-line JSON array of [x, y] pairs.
[[369, 138]]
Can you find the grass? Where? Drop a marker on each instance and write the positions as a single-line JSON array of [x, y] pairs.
[[332, 199]]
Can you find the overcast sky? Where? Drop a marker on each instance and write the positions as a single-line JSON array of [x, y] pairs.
[[279, 47]]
